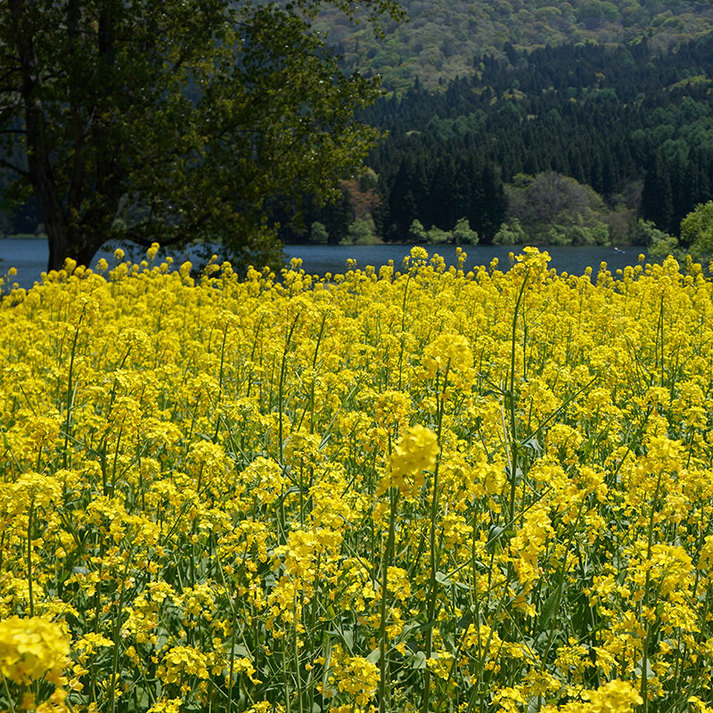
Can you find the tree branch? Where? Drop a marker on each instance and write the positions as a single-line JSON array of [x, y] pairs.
[[13, 167]]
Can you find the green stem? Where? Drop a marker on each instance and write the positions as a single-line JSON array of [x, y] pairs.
[[511, 403], [645, 602], [285, 668], [69, 398], [296, 652], [281, 388], [30, 518], [386, 560], [117, 635], [475, 604], [8, 694], [220, 383], [433, 582], [403, 324]]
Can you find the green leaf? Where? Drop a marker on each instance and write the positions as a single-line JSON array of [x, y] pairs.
[[418, 660]]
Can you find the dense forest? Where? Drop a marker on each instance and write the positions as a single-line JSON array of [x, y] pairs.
[[441, 37], [577, 122], [630, 128]]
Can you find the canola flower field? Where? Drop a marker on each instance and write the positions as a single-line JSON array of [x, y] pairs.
[[416, 490]]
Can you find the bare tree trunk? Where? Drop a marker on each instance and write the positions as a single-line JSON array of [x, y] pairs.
[[39, 166], [65, 238]]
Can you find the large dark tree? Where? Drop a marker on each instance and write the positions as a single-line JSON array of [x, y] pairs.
[[656, 198], [166, 120]]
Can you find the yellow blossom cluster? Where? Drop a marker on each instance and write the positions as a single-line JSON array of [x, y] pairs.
[[417, 488], [33, 650], [414, 453]]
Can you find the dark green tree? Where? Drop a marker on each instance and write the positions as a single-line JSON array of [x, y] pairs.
[[488, 205], [657, 196], [167, 120], [407, 195]]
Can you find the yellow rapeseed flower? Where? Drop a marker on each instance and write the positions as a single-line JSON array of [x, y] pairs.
[[415, 452], [33, 648]]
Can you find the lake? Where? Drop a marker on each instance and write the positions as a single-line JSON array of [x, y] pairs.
[[29, 256]]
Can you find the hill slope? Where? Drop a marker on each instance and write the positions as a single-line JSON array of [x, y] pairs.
[[441, 38], [633, 124]]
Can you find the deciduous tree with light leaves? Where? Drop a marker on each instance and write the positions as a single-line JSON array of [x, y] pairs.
[[175, 120]]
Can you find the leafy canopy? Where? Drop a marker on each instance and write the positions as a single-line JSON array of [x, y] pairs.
[[168, 120]]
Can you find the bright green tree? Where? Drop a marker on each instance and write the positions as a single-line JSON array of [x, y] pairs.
[[318, 233], [167, 120], [417, 232], [697, 230], [510, 233], [361, 232], [463, 234]]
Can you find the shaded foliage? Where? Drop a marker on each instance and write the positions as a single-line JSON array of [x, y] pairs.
[[442, 35], [611, 118], [176, 120]]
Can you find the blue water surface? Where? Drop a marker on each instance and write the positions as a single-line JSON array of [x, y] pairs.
[[30, 255]]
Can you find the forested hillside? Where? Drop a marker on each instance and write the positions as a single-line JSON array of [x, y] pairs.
[[523, 120], [634, 125], [442, 36]]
